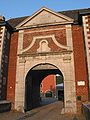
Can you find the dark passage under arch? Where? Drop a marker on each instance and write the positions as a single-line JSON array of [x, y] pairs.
[[32, 86]]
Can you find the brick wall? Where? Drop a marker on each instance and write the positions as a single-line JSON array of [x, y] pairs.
[[4, 50], [49, 84], [4, 62], [58, 31], [80, 65], [12, 67], [79, 57]]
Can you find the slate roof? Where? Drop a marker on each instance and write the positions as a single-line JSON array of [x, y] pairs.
[[75, 14], [15, 21]]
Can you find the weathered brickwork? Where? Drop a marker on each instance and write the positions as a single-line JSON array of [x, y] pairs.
[[60, 36], [12, 67], [80, 65]]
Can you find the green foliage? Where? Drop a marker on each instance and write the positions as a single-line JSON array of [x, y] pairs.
[[59, 79], [48, 94]]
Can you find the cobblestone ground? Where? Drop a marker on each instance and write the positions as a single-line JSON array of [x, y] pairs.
[[48, 112]]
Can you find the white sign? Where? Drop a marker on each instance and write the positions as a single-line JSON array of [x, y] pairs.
[[81, 83]]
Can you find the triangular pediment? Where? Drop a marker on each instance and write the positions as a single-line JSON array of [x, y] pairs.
[[45, 16]]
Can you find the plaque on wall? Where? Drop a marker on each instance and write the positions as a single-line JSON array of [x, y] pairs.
[[81, 83]]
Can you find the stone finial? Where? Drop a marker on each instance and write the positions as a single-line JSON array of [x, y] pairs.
[[2, 18]]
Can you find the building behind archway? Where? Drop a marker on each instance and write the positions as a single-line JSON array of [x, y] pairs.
[[58, 38]]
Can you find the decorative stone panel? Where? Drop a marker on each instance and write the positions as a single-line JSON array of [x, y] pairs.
[[56, 38]]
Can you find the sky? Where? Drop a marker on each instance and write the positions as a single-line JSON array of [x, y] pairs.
[[19, 8]]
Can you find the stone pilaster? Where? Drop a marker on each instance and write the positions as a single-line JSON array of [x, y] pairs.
[[69, 37]]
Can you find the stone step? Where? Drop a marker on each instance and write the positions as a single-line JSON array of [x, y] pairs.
[[5, 106]]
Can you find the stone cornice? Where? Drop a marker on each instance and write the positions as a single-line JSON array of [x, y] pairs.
[[45, 53]]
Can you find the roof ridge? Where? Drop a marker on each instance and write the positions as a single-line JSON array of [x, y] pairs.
[[69, 13], [56, 11], [75, 9], [18, 18]]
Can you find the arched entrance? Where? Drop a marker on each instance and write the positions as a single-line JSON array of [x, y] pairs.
[[32, 83], [32, 69]]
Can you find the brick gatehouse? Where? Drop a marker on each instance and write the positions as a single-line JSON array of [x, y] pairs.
[[45, 43]]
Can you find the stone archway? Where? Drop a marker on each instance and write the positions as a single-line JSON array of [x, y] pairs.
[[32, 83], [63, 61]]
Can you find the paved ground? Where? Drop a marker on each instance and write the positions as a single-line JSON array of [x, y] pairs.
[[48, 112]]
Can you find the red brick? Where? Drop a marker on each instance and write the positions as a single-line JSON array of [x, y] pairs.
[[12, 67], [60, 36], [80, 63]]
